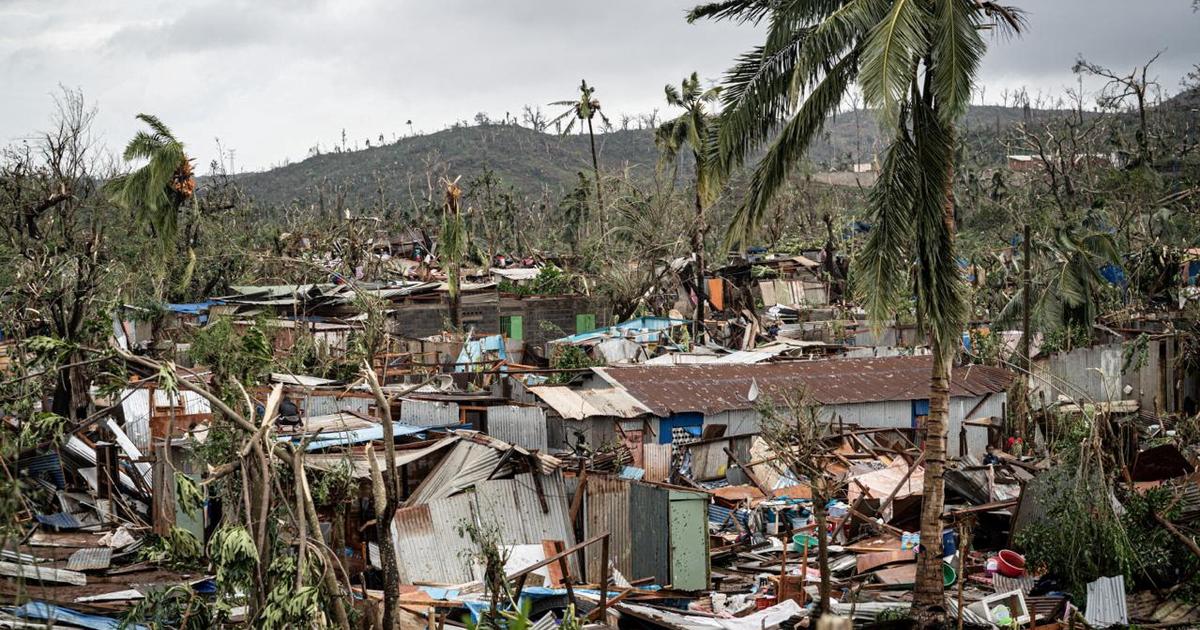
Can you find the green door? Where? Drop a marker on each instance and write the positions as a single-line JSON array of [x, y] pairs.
[[513, 326], [689, 540], [585, 322]]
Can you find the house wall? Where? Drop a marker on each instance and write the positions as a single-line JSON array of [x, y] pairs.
[[883, 415], [542, 317], [428, 413], [1095, 374]]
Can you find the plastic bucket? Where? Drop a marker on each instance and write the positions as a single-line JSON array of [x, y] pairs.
[[949, 575], [1010, 563]]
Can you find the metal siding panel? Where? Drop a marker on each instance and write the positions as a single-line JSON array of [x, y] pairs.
[[689, 540], [523, 426], [656, 459], [607, 510], [136, 407], [421, 553], [499, 509], [426, 413], [650, 548]]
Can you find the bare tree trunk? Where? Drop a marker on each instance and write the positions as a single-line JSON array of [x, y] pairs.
[[386, 501], [929, 589], [825, 589], [596, 171], [698, 252]]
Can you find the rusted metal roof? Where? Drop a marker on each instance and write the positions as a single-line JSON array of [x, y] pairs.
[[577, 404], [713, 388]]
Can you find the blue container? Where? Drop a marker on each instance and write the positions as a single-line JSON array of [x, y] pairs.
[[949, 542]]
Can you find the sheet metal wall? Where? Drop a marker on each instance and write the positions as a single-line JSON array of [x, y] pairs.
[[326, 404], [426, 413], [606, 509], [1095, 374], [709, 460], [739, 422], [430, 549], [136, 407], [523, 426], [651, 547], [656, 459]]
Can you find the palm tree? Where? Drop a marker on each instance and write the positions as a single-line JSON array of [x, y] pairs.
[[453, 246], [915, 62], [156, 191], [689, 130], [1067, 279], [585, 108]]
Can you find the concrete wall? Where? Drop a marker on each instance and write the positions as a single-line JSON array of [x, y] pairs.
[[543, 317]]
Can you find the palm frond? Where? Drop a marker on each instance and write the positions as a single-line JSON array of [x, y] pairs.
[[957, 50], [157, 126], [1009, 20], [742, 11], [790, 145], [889, 55], [939, 284], [881, 270]]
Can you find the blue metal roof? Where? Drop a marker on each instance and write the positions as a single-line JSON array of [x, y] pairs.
[[642, 328]]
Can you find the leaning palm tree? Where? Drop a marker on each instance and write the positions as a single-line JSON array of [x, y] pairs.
[[689, 130], [585, 108], [158, 189], [915, 62]]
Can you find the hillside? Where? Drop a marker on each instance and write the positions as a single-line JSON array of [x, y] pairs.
[[538, 162]]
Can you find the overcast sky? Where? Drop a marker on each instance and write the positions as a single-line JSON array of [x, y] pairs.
[[271, 78]]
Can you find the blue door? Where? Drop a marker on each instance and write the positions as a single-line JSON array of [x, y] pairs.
[[690, 423], [920, 409]]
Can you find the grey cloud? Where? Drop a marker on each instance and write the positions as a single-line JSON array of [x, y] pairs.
[[273, 77]]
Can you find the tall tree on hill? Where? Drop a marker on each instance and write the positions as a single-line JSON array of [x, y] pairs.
[[585, 108], [158, 189], [689, 131], [453, 246], [915, 62]]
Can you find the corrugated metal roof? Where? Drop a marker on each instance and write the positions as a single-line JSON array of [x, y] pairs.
[[577, 404], [360, 464], [1106, 603], [523, 426], [713, 388], [430, 549]]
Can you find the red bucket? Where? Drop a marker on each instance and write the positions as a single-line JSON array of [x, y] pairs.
[[1010, 563]]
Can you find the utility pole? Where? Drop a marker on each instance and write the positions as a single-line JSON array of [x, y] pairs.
[[1026, 307]]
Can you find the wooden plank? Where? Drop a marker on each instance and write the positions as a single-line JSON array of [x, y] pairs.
[[868, 561], [551, 548], [42, 574], [905, 574]]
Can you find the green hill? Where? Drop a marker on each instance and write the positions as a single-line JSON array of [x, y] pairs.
[[536, 163]]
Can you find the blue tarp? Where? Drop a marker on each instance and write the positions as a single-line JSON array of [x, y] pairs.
[[357, 436], [57, 614], [199, 309], [1114, 274], [474, 350]]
